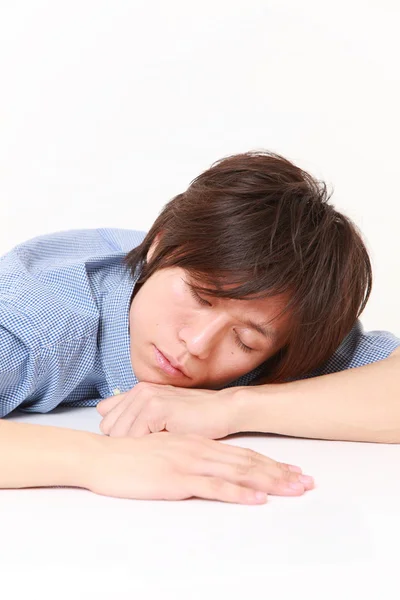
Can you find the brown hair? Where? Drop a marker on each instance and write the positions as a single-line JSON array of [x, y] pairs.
[[257, 222]]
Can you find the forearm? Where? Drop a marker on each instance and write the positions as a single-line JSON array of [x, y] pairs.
[[361, 404], [42, 456]]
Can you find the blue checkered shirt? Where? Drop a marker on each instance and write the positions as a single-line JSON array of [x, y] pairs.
[[64, 323]]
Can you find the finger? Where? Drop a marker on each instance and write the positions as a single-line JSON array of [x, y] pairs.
[[141, 426], [292, 468], [215, 488], [271, 480], [234, 453], [104, 406], [119, 414], [214, 447], [291, 473], [244, 458]]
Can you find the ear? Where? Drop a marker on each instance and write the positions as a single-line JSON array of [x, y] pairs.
[[153, 246]]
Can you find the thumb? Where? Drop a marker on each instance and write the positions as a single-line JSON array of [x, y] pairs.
[[104, 406]]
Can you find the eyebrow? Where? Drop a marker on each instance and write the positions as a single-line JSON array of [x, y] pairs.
[[263, 328]]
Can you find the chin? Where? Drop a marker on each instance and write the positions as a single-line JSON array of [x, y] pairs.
[[150, 375]]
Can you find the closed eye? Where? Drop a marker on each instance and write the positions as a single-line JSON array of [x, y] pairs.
[[199, 299], [203, 302]]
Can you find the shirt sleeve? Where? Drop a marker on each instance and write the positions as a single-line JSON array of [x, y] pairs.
[[39, 380], [359, 348]]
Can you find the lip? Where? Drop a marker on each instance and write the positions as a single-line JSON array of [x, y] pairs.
[[168, 365]]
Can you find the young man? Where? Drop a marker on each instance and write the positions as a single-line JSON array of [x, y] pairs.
[[246, 280]]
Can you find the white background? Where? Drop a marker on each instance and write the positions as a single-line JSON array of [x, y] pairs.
[[110, 108], [337, 541], [107, 110]]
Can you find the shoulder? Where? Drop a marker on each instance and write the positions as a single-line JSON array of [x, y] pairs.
[[50, 249], [360, 348], [74, 245], [122, 239], [45, 291]]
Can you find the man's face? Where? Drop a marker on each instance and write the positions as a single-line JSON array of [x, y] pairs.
[[205, 339]]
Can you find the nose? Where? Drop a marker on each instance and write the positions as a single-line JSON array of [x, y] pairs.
[[202, 335]]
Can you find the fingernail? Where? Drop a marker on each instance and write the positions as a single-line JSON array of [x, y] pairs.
[[261, 497], [306, 479]]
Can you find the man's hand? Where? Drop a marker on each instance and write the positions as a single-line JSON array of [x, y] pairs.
[[151, 407], [173, 467]]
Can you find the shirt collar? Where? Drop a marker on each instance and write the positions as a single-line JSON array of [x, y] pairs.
[[113, 337]]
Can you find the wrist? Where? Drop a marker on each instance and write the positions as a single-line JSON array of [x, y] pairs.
[[258, 408], [44, 456], [241, 407], [89, 457], [73, 457]]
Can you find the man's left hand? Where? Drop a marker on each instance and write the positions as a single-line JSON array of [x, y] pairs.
[[151, 407]]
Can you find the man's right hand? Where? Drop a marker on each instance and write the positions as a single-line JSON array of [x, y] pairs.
[[165, 466]]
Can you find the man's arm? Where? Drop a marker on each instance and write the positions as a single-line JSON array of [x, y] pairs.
[[41, 456], [360, 404], [161, 466]]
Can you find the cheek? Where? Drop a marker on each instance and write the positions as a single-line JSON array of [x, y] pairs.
[[140, 311], [176, 305], [160, 305], [177, 292], [143, 314]]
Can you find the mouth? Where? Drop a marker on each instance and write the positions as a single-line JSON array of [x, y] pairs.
[[166, 366]]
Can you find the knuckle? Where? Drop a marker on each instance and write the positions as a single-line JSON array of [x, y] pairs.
[[242, 469], [153, 404], [275, 481], [251, 459], [285, 475], [103, 427], [293, 478], [249, 464], [251, 454], [282, 478]]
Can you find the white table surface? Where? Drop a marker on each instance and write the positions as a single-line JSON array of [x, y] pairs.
[[339, 539]]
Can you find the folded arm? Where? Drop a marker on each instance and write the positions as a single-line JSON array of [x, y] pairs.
[[360, 404]]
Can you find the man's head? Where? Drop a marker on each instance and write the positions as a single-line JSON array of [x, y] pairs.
[[255, 238]]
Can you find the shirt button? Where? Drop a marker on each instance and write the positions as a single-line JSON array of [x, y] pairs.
[[116, 391]]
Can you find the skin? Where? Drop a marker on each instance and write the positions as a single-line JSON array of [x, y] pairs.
[[200, 337]]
